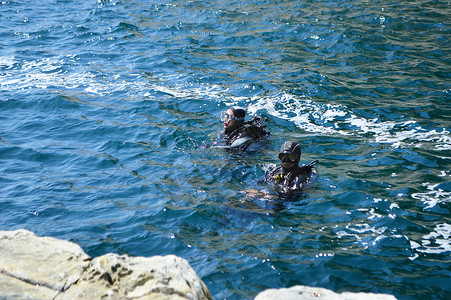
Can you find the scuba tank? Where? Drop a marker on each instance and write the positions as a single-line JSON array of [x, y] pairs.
[[248, 132], [255, 128]]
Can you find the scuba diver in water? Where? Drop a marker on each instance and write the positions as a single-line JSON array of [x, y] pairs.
[[291, 178], [240, 134]]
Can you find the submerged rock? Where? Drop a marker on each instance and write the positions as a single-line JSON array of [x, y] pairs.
[[34, 267]]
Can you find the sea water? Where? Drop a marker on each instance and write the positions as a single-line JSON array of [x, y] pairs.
[[109, 110]]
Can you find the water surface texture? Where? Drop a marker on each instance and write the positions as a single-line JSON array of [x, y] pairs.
[[108, 110]]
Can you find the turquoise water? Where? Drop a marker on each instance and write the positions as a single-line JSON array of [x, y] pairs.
[[109, 109]]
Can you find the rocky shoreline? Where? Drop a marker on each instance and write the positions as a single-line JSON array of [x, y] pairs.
[[33, 267]]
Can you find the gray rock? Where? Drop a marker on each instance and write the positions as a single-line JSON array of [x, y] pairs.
[[34, 267], [12, 288], [43, 261], [301, 292], [121, 277]]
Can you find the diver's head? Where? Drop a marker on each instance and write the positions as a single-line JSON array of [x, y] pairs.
[[232, 118], [290, 155]]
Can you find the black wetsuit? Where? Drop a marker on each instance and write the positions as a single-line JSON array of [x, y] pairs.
[[235, 134], [291, 183], [249, 132]]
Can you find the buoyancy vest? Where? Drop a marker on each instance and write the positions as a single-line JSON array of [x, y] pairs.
[[255, 129], [296, 178]]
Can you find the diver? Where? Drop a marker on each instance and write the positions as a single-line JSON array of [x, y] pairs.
[[240, 134], [290, 178]]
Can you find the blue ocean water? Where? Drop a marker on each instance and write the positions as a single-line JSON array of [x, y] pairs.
[[108, 110]]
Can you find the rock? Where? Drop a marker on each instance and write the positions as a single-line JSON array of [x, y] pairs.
[[43, 261], [301, 292], [12, 288], [159, 277], [34, 267]]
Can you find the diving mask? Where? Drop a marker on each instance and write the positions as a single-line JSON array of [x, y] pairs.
[[226, 117], [287, 157]]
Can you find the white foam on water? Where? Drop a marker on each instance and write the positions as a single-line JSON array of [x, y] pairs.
[[329, 119], [433, 197], [40, 74], [436, 242], [299, 111], [196, 92], [7, 62], [326, 119], [306, 114]]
